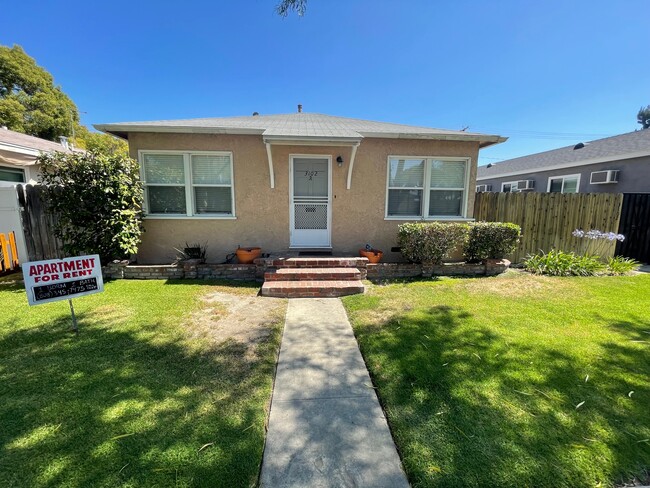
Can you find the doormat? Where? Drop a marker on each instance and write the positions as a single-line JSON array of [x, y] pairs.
[[315, 253]]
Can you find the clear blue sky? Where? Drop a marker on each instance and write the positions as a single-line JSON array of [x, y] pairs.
[[533, 71]]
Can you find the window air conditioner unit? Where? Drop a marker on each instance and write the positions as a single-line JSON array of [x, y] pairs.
[[525, 185], [483, 188], [603, 177]]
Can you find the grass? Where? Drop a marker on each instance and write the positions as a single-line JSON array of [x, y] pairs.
[[133, 400], [517, 380]]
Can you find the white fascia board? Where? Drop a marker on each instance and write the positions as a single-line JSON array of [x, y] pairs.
[[5, 146], [584, 162]]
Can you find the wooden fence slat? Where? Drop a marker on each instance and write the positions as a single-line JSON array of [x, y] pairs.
[[38, 224], [548, 220]]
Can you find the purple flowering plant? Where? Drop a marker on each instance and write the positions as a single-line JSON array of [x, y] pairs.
[[596, 241]]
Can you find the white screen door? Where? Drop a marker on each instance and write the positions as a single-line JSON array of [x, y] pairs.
[[310, 201]]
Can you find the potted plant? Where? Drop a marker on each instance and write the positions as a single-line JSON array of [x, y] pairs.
[[373, 255], [192, 251], [246, 255]]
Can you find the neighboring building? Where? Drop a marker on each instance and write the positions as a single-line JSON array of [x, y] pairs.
[[299, 181], [618, 164], [18, 153]]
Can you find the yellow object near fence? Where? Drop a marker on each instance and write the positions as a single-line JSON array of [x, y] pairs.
[[8, 252]]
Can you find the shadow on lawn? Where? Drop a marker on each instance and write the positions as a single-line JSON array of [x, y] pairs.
[[467, 408], [65, 401]]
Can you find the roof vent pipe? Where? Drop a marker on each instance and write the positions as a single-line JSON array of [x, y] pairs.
[[255, 114], [300, 108], [64, 142], [580, 145], [4, 127]]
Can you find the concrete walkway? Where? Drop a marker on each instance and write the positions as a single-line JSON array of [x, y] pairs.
[[326, 428]]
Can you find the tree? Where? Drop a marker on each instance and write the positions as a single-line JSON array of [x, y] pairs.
[[98, 200], [286, 6], [29, 100], [643, 117], [101, 143]]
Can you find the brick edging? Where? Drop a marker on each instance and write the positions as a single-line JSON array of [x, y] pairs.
[[189, 269], [491, 267], [193, 269]]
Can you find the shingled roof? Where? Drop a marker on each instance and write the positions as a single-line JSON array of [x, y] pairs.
[[625, 146], [298, 126], [25, 142]]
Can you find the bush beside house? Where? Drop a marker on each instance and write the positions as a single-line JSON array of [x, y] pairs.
[[491, 240], [97, 199]]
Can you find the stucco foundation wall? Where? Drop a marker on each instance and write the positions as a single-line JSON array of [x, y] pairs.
[[262, 213]]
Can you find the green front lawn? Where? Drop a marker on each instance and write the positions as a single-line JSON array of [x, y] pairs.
[[516, 380], [138, 399]]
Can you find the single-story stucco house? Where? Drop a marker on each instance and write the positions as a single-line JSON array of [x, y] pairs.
[[618, 164], [292, 182]]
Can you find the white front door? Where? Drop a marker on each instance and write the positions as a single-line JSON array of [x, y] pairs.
[[310, 201]]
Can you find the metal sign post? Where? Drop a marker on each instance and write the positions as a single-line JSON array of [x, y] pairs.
[[74, 319]]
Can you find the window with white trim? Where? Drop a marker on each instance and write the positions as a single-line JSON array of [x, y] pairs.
[[11, 174], [509, 187], [564, 184], [426, 187], [188, 183]]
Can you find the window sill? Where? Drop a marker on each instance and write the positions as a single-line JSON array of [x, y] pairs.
[[431, 219], [185, 217]]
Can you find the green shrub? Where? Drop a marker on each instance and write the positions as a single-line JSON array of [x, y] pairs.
[[491, 240], [620, 265], [98, 200], [560, 263], [430, 242]]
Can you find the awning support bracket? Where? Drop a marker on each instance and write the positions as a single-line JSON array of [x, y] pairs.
[[270, 158], [352, 156]]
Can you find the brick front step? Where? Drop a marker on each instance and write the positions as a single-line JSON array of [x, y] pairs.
[[309, 289], [313, 274]]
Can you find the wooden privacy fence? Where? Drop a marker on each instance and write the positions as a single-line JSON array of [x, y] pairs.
[[547, 220], [8, 252], [38, 224]]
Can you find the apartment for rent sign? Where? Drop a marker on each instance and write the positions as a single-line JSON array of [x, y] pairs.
[[62, 279]]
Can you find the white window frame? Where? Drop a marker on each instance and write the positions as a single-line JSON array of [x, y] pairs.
[[188, 184], [14, 170], [563, 177], [426, 189], [514, 188]]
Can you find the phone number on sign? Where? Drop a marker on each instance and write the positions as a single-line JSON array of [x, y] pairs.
[[55, 290]]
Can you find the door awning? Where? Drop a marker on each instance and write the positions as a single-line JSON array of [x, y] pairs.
[[352, 142], [16, 158]]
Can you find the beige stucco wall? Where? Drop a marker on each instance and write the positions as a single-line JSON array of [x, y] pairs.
[[263, 213]]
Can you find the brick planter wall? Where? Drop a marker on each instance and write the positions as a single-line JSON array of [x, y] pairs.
[[193, 269], [189, 269], [411, 270]]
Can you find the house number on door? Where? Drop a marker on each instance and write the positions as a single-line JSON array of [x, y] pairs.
[[310, 174]]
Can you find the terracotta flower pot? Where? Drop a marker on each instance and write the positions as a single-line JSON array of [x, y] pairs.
[[374, 255], [246, 255]]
